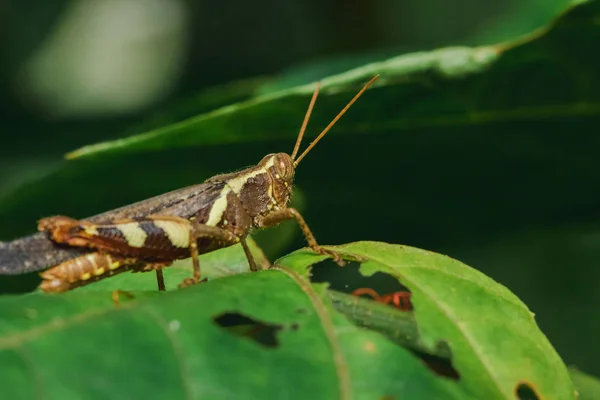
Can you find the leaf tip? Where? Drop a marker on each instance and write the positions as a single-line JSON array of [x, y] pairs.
[[74, 154], [89, 149]]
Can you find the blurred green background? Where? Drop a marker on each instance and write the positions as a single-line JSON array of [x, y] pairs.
[[516, 200]]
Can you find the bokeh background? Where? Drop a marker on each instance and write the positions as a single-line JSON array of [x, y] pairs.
[[518, 201]]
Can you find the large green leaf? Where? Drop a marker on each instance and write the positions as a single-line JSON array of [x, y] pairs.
[[181, 345], [452, 86], [496, 345], [272, 334], [402, 328]]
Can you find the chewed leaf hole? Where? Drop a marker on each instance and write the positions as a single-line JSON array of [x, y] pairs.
[[380, 287], [441, 364], [261, 332], [525, 391]]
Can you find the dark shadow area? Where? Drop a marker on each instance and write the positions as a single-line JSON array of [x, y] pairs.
[[240, 325], [19, 284], [348, 279], [440, 366], [525, 391]]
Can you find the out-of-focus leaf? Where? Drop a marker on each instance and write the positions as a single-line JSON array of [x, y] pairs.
[[554, 270], [205, 101], [587, 386], [439, 88], [521, 17]]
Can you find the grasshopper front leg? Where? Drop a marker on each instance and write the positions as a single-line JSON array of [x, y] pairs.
[[275, 217], [249, 256]]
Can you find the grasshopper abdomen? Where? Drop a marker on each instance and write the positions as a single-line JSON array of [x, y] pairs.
[[83, 270]]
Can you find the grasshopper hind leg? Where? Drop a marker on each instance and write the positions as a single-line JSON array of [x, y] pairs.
[[165, 236]]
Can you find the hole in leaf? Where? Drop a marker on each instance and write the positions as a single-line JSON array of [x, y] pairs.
[[258, 331], [440, 366], [379, 286], [525, 391], [349, 279]]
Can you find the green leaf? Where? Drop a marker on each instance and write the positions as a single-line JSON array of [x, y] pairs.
[[523, 17], [495, 343], [445, 87], [269, 334], [273, 334], [587, 386]]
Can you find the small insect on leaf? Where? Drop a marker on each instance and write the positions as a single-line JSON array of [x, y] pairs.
[[400, 300]]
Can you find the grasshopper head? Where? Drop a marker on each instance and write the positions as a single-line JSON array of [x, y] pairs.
[[280, 168]]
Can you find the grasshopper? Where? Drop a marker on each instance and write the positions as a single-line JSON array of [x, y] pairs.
[[153, 233]]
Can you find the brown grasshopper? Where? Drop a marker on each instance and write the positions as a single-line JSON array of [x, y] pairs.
[[151, 234]]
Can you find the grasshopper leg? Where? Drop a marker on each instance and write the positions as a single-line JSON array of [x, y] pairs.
[[249, 256], [160, 280], [154, 237], [285, 214], [200, 231], [116, 296], [158, 268], [154, 240]]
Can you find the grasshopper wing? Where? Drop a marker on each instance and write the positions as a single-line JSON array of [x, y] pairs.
[[36, 252]]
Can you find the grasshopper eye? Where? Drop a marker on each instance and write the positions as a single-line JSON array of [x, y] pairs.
[[284, 166]]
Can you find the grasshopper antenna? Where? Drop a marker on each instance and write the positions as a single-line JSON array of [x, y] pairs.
[[337, 117], [306, 118]]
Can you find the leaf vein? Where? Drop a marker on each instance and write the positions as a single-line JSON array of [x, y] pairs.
[[329, 328], [177, 350]]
